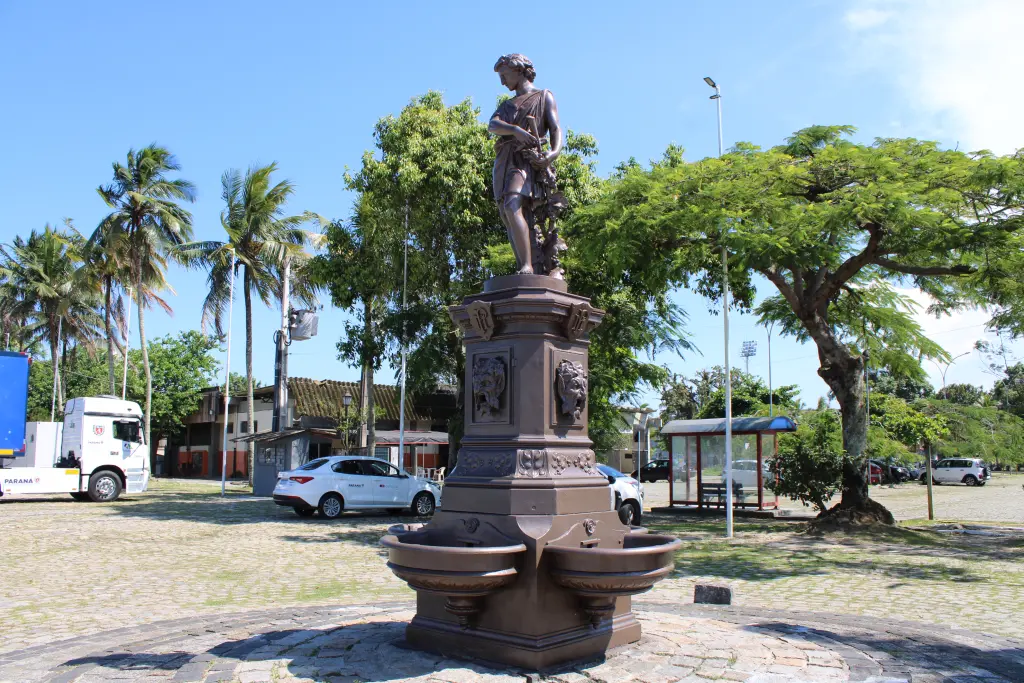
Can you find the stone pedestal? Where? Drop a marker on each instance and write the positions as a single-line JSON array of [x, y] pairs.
[[526, 474], [526, 563]]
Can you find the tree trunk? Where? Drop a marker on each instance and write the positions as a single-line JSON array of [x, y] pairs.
[[55, 360], [371, 417], [139, 300], [250, 447], [844, 373], [107, 286]]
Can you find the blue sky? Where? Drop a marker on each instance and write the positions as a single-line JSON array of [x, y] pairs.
[[228, 84]]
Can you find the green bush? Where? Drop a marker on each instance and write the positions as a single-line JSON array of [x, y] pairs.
[[809, 463]]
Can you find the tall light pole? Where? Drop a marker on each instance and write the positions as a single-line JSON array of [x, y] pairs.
[[53, 401], [725, 322], [227, 384], [771, 396], [346, 401], [945, 395], [280, 414], [748, 351], [405, 348]]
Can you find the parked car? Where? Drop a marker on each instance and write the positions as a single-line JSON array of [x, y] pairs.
[[892, 472], [340, 482], [875, 473], [970, 471], [745, 473], [627, 494], [653, 471]]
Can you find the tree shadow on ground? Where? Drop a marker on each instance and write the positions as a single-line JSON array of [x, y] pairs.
[[364, 652], [933, 653]]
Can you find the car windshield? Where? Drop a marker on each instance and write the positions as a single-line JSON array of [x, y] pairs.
[[610, 471], [314, 464]]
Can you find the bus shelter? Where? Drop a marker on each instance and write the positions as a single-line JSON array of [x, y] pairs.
[[697, 460]]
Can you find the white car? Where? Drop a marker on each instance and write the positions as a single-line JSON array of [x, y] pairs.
[[342, 482], [627, 494], [745, 472], [959, 470]]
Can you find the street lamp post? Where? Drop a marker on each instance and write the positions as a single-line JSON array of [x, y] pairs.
[[717, 97], [748, 351], [943, 372], [227, 384], [347, 401]]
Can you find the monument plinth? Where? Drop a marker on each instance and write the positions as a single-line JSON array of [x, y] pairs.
[[526, 562]]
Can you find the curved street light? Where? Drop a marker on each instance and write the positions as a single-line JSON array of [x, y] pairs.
[[942, 372]]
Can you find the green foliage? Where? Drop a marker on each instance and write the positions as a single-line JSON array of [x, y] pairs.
[[1008, 392], [703, 396], [976, 432], [908, 388], [809, 463], [962, 394], [903, 423]]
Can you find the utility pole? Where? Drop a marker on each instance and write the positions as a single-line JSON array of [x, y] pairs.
[[280, 418], [725, 322], [227, 384], [405, 348]]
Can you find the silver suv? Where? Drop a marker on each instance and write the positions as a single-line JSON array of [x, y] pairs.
[[959, 471]]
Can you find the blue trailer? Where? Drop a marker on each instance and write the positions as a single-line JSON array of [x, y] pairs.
[[13, 402]]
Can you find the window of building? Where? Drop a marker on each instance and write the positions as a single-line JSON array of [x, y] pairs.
[[243, 427], [255, 426], [231, 427]]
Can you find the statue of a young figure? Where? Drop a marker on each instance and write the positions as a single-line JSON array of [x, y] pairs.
[[524, 179]]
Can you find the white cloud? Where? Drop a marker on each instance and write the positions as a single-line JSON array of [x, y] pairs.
[[958, 61]]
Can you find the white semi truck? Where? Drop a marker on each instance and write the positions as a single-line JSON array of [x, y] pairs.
[[100, 452]]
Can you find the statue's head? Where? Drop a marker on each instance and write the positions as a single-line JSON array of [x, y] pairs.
[[514, 67]]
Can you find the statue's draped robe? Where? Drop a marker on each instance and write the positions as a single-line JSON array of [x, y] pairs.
[[509, 161]]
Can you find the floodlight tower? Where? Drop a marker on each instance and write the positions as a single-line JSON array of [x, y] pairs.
[[749, 349]]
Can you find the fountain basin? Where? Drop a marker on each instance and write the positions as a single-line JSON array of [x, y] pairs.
[[440, 563], [597, 576]]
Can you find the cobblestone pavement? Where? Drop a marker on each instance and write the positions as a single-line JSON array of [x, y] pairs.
[[680, 643], [1001, 500], [76, 569]]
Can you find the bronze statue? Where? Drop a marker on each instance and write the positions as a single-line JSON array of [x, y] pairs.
[[524, 179]]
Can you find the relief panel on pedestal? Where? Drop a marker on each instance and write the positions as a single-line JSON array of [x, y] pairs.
[[491, 387], [569, 388]]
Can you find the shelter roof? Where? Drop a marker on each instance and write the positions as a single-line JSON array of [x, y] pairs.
[[740, 425]]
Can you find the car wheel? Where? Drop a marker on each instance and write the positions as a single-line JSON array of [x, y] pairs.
[[629, 513], [971, 480], [423, 504], [304, 512], [331, 506], [104, 487]]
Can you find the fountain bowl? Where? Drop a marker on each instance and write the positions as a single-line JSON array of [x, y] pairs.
[[437, 562]]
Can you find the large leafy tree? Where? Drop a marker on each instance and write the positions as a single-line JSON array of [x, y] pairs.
[[703, 396], [833, 226], [145, 224], [259, 237]]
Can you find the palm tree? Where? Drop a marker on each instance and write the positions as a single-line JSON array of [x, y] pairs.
[[147, 222], [259, 237], [57, 293], [108, 258]]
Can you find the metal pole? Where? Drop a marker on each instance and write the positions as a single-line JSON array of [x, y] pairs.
[[53, 401], [227, 385], [931, 510], [725, 321], [771, 396], [280, 357], [405, 348], [127, 343]]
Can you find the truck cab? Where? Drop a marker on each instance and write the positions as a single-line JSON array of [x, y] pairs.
[[103, 438]]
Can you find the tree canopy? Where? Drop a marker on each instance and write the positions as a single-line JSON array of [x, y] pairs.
[[835, 226]]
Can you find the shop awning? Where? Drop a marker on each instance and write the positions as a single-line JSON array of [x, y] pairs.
[[740, 425]]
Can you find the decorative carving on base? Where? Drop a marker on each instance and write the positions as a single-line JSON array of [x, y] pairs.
[[571, 384], [481, 319], [483, 464], [533, 463], [488, 387], [578, 323], [583, 460]]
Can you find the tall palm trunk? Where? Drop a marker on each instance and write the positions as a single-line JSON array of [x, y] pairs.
[[250, 448], [55, 360], [145, 364], [107, 286]]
